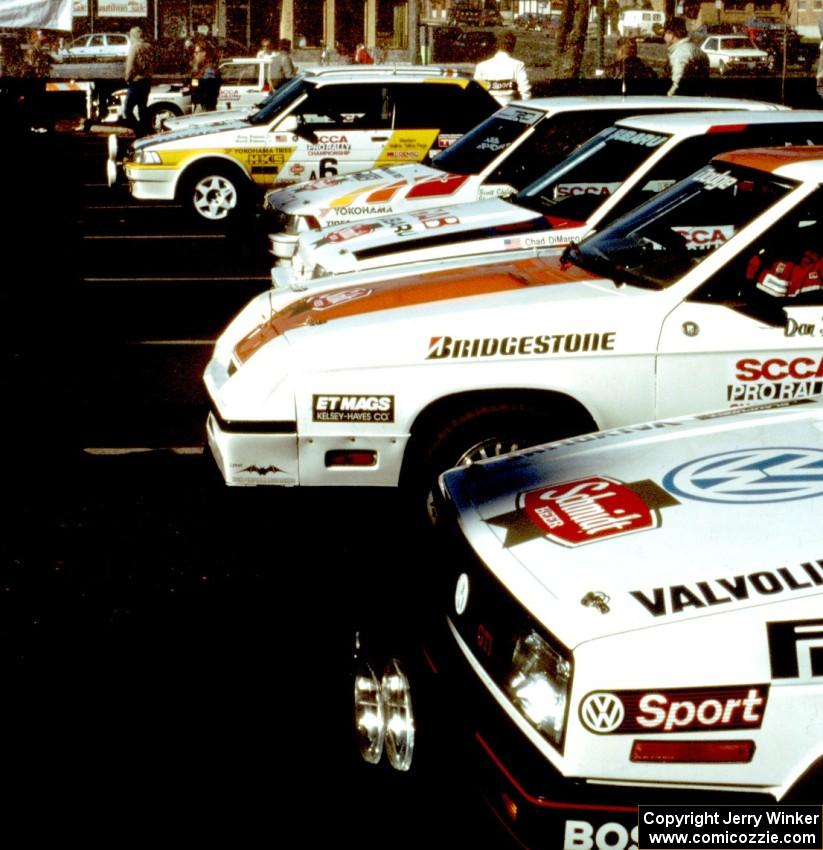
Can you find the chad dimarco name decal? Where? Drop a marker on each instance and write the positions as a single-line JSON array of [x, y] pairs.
[[720, 591]]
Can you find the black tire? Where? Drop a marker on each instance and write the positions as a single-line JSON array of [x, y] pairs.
[[157, 114], [472, 435], [216, 193]]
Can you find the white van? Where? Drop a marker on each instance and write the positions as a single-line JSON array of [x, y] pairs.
[[634, 22]]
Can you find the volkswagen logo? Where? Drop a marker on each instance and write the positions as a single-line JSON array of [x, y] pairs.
[[750, 476], [601, 712]]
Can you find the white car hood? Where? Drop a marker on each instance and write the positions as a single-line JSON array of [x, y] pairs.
[[654, 524], [375, 188], [337, 248]]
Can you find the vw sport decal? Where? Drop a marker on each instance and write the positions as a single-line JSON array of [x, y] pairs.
[[674, 710], [411, 291]]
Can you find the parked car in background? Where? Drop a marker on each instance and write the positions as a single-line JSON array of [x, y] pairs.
[[707, 296], [776, 38], [316, 125], [244, 87], [451, 44], [640, 22], [616, 619], [94, 47], [734, 54]]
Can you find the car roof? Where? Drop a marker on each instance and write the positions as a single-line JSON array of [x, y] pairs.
[[354, 73], [576, 103], [800, 163], [701, 122]]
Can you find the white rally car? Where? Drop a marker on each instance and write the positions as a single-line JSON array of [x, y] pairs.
[[628, 617], [244, 85], [315, 125], [612, 173], [706, 296], [500, 156]]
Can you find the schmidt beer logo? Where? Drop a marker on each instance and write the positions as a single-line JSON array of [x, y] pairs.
[[582, 511], [353, 408]]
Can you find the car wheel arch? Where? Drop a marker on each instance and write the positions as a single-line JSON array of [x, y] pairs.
[[450, 428]]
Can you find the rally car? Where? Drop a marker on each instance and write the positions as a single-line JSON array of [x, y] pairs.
[[613, 172], [706, 296], [627, 617], [499, 157], [316, 125], [244, 85]]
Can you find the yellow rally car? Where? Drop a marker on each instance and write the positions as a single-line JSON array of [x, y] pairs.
[[318, 125]]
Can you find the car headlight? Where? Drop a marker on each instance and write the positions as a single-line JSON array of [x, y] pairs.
[[399, 716], [319, 271], [144, 157], [538, 685], [369, 719]]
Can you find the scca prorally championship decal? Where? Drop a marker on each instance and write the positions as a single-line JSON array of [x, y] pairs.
[[677, 598], [775, 379], [674, 709], [750, 476], [584, 511], [353, 408], [444, 347]]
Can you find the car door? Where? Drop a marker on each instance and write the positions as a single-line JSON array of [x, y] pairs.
[[116, 46], [430, 116], [96, 47], [337, 129], [242, 85], [710, 48], [753, 332]]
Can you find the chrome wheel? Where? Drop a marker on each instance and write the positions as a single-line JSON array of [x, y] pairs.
[[488, 448]]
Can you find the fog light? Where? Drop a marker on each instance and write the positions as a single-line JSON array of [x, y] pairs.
[[369, 718], [399, 717], [283, 245]]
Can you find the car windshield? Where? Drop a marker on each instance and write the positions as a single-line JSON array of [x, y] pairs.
[[480, 146], [280, 99], [737, 43], [654, 245], [576, 187]]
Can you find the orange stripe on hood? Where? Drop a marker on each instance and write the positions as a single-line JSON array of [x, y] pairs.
[[338, 303]]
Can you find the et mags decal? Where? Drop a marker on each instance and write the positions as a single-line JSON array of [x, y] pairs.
[[353, 408], [584, 511]]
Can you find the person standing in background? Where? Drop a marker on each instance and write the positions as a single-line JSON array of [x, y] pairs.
[[687, 62], [206, 80], [266, 50], [505, 75], [139, 68], [281, 67]]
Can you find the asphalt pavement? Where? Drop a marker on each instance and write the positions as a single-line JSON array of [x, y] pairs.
[[175, 655]]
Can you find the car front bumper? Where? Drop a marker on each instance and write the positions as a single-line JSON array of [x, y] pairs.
[[151, 183]]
